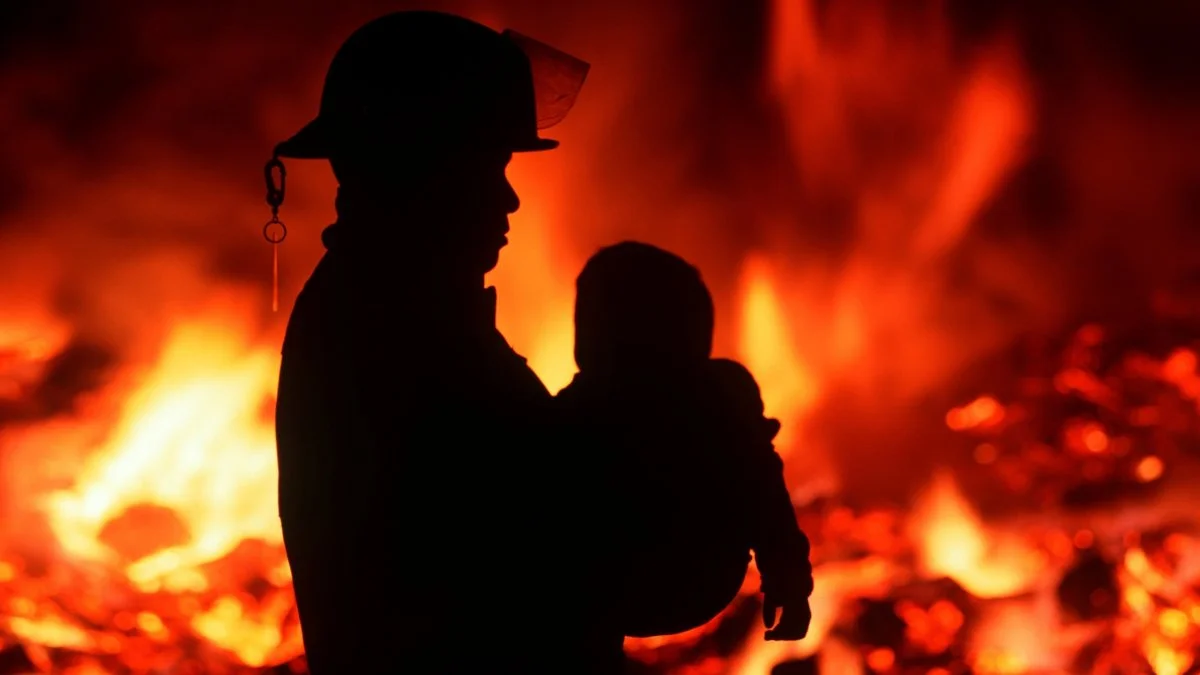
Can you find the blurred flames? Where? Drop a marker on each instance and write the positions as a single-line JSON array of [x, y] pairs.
[[788, 385], [208, 469], [953, 542], [140, 530]]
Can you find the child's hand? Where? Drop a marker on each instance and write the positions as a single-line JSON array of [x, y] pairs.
[[794, 622]]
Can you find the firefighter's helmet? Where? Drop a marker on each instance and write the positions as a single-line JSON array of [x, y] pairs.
[[424, 81]]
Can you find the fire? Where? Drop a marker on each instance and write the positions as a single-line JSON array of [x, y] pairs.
[[930, 248], [533, 269], [175, 499], [789, 388], [834, 584], [1165, 634], [954, 542], [192, 438], [24, 350], [1019, 636]]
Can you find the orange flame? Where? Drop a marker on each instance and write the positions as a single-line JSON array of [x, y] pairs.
[[953, 542], [789, 388], [192, 439]]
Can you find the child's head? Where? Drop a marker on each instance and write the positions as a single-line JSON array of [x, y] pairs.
[[638, 303], [740, 395]]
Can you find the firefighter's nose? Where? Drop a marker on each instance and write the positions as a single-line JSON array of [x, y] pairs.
[[512, 202]]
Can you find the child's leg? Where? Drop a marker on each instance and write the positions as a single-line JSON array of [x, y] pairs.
[[675, 593]]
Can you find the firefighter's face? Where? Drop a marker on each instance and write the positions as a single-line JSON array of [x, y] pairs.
[[478, 199], [462, 199]]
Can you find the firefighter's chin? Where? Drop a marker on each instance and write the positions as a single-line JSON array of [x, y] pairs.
[[481, 258], [493, 257]]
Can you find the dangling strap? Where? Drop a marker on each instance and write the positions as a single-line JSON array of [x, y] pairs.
[[275, 231]]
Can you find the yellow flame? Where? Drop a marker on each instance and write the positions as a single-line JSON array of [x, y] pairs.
[[535, 279], [984, 411], [833, 583], [789, 388], [954, 542], [1019, 636], [191, 438]]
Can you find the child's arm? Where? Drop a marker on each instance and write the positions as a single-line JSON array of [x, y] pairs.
[[781, 551]]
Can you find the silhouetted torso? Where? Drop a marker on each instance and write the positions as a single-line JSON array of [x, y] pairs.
[[416, 490], [408, 434]]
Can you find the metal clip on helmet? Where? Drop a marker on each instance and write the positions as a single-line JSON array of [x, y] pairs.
[[418, 82]]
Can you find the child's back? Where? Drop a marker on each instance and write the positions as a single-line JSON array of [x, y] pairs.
[[678, 441], [679, 551]]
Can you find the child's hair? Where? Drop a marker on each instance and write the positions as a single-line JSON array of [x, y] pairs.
[[637, 301]]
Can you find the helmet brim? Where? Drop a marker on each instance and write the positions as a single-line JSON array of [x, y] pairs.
[[312, 142], [308, 143]]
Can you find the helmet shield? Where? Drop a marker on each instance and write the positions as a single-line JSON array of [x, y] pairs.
[[557, 78]]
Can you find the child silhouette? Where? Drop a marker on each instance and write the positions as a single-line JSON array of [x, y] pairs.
[[680, 448]]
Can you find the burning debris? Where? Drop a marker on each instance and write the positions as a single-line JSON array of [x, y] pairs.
[[1108, 584], [188, 555], [168, 553], [1109, 423]]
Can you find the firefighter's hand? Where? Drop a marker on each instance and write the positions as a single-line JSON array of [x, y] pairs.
[[792, 625]]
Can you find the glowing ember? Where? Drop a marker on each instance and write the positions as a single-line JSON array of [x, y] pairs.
[[982, 412], [788, 387]]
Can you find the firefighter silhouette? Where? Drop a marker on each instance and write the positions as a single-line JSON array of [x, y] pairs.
[[417, 483]]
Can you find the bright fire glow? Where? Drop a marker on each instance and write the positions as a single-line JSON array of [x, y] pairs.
[[192, 439], [954, 542], [766, 345]]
